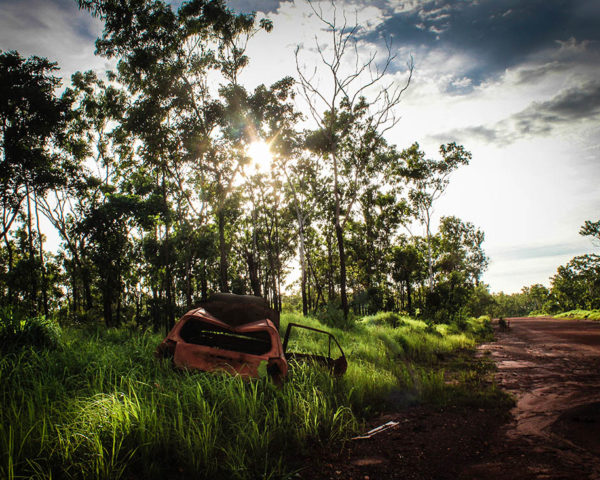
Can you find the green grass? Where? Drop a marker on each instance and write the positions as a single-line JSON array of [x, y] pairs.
[[99, 406], [580, 314]]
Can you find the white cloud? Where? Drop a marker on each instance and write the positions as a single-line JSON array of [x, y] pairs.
[[48, 29]]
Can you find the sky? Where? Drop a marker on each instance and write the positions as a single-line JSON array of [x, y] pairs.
[[516, 82]]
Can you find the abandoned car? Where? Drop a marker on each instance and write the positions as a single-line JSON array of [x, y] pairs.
[[238, 334]]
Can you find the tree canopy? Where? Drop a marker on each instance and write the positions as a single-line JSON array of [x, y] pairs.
[[147, 175]]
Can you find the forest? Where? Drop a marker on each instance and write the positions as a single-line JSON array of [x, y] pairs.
[[154, 178], [167, 180]]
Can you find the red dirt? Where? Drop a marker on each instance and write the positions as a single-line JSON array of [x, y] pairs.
[[550, 366]]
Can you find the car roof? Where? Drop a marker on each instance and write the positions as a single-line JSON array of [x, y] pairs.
[[236, 310]]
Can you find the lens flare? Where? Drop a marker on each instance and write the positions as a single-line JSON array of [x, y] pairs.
[[260, 156]]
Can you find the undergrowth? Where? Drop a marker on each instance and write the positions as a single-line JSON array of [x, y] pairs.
[[99, 406], [18, 331], [581, 314]]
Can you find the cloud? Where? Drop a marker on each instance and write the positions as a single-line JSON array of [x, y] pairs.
[[569, 108], [55, 29], [495, 35], [531, 74], [537, 251], [247, 6], [571, 105]]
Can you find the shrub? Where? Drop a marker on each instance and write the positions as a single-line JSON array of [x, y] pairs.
[[333, 316], [17, 332], [581, 314], [390, 319]]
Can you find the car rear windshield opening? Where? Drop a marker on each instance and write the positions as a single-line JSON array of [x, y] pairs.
[[200, 333]]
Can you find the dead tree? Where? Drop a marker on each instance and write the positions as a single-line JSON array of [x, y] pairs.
[[365, 85]]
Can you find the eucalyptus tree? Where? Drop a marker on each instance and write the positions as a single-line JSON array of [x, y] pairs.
[[372, 234], [536, 297], [272, 120], [264, 114], [430, 179], [591, 229], [349, 122], [304, 191], [94, 141], [460, 247], [190, 143], [193, 113], [458, 262], [577, 284], [267, 240], [32, 119], [406, 269]]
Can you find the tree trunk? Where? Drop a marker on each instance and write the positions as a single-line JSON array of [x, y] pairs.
[[29, 228], [188, 281], [253, 273], [118, 312], [302, 262], [408, 296], [429, 254], [340, 241], [330, 283], [370, 242], [155, 310], [203, 283], [318, 286], [303, 276], [107, 302], [9, 249], [74, 291], [170, 317], [87, 287], [33, 279], [44, 285], [223, 284], [339, 230], [277, 264]]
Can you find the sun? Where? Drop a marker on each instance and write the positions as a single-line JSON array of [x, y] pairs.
[[260, 156]]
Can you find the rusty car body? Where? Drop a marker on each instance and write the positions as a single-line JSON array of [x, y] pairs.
[[238, 334]]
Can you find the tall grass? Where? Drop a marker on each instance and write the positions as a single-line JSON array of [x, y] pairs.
[[17, 330], [100, 406], [581, 314]]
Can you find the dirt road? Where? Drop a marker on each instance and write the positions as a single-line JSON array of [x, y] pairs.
[[552, 367]]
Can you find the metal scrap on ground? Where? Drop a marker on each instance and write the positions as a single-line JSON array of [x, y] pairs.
[[376, 430]]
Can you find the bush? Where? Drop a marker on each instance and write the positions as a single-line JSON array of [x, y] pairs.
[[390, 319], [333, 316], [17, 332]]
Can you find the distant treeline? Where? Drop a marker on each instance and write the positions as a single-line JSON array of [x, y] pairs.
[[575, 286]]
